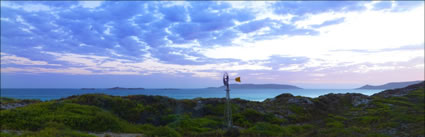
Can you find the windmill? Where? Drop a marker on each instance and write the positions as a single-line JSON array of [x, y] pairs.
[[228, 111]]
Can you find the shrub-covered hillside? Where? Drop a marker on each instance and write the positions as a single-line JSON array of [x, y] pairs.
[[398, 112]]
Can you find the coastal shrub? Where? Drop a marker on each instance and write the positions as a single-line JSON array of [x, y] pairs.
[[134, 109], [296, 109], [335, 124], [248, 117], [336, 132], [53, 132], [48, 132], [239, 120], [192, 126], [271, 118], [80, 117], [264, 129], [349, 131], [299, 114], [377, 135], [122, 107], [417, 96], [169, 118], [391, 116], [163, 131], [366, 120], [336, 117], [6, 100], [218, 109], [267, 129], [3, 134], [402, 101], [252, 115]]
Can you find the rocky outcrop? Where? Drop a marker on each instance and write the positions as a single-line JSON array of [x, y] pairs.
[[17, 103], [289, 99], [12, 105], [336, 103], [300, 101], [360, 100]]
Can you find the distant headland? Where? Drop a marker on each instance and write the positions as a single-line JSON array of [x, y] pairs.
[[392, 85]]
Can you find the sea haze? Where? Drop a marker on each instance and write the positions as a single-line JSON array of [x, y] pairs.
[[248, 94]]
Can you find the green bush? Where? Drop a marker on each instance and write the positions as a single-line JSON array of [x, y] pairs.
[[239, 120], [264, 129], [335, 124], [79, 117], [122, 107], [49, 132], [163, 131], [193, 126]]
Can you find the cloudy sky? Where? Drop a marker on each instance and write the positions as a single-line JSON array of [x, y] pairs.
[[190, 44]]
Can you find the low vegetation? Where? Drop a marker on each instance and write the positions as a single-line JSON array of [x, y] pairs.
[[331, 115]]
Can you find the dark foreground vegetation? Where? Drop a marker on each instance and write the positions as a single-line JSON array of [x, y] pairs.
[[398, 112]]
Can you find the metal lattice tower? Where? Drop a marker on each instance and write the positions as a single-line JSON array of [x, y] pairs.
[[228, 111]]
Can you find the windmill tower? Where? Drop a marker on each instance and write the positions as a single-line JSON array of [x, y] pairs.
[[228, 110]]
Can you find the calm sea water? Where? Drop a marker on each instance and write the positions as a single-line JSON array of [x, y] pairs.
[[248, 94]]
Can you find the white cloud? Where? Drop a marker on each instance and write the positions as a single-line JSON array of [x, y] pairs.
[[93, 65], [90, 4], [5, 19], [365, 68], [257, 74], [108, 27], [28, 27], [214, 75], [262, 10], [419, 66], [46, 70], [38, 47], [292, 68], [192, 44], [13, 59], [114, 53], [26, 7], [339, 44], [76, 59], [187, 57], [317, 19], [174, 3], [318, 75]]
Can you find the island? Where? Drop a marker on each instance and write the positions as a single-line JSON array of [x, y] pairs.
[[121, 88], [259, 86], [167, 89], [392, 85], [88, 89]]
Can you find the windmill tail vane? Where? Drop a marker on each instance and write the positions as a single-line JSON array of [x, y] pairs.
[[238, 79]]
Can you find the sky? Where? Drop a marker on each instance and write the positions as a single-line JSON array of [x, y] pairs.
[[181, 44]]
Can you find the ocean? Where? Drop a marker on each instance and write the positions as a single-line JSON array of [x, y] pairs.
[[248, 94]]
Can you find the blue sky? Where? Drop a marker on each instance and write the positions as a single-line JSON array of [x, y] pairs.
[[190, 44]]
